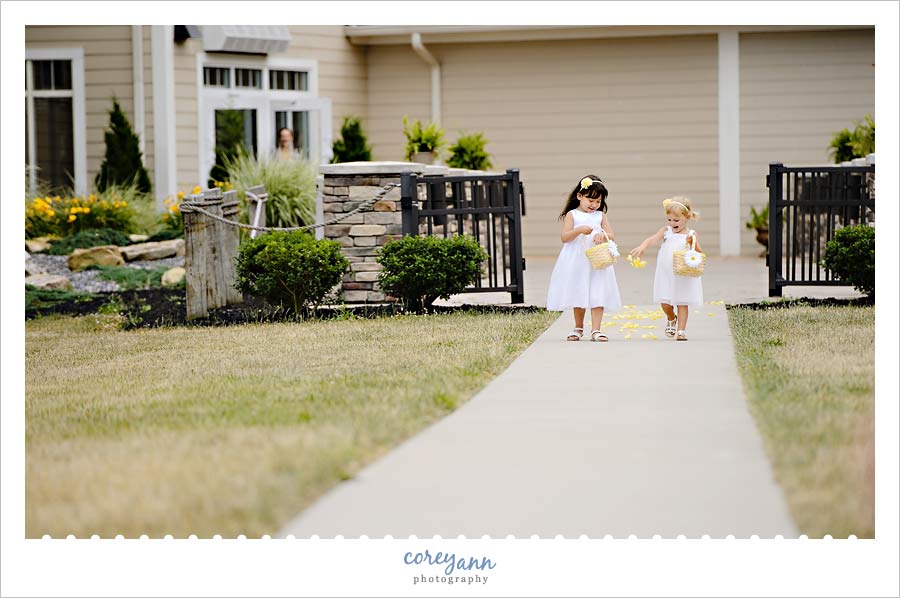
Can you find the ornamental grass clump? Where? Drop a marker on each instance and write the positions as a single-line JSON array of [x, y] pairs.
[[293, 270], [291, 185], [419, 270]]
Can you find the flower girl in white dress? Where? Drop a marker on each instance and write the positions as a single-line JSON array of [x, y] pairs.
[[670, 289], [574, 284]]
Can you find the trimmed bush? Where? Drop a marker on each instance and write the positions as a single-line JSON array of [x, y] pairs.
[[123, 163], [352, 146], [89, 238], [290, 269], [850, 256], [419, 270], [468, 152]]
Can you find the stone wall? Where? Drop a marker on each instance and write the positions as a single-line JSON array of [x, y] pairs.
[[344, 188]]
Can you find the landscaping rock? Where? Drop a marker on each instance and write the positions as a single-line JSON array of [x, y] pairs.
[[173, 276], [32, 268], [37, 245], [153, 251], [52, 282], [104, 255], [138, 238]]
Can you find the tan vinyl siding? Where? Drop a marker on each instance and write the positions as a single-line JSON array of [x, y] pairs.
[[797, 90], [107, 73], [342, 69], [641, 113]]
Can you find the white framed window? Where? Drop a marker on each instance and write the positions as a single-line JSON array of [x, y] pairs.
[[55, 147], [248, 100]]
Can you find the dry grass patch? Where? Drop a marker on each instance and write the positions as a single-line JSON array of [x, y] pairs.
[[234, 430], [809, 373]]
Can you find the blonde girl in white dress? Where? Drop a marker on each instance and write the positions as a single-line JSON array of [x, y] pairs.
[[670, 290], [574, 284]]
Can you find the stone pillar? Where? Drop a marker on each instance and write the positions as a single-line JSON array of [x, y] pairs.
[[345, 187]]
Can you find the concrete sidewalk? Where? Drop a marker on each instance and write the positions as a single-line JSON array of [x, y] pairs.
[[579, 438]]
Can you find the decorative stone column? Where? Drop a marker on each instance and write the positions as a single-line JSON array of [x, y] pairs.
[[344, 188]]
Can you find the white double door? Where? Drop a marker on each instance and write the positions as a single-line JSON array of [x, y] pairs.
[[255, 122]]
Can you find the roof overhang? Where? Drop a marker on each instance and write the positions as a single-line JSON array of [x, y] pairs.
[[250, 39], [400, 34]]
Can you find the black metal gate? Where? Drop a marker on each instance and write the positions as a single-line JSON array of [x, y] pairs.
[[487, 207], [807, 204]]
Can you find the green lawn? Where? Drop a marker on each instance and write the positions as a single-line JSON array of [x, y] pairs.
[[809, 374], [234, 430]]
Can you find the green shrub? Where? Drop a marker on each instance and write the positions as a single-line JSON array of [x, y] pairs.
[[290, 269], [422, 138], [851, 257], [352, 146], [89, 238], [123, 163], [418, 270], [468, 152], [291, 185]]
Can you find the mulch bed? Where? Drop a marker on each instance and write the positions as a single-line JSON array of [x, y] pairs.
[[149, 308]]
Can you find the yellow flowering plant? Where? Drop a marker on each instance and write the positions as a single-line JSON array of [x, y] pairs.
[[63, 216]]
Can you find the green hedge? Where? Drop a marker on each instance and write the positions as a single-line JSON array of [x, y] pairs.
[[419, 270]]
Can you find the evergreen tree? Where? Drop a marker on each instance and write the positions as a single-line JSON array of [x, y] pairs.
[[352, 146], [123, 163]]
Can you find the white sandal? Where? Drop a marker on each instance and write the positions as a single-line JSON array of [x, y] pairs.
[[681, 336], [598, 336], [577, 333], [670, 327]]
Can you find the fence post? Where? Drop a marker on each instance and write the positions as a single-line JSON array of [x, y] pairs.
[[775, 249], [215, 274], [256, 207], [229, 240], [409, 204], [197, 244], [517, 261]]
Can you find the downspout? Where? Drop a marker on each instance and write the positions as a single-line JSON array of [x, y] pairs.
[[137, 65], [423, 52]]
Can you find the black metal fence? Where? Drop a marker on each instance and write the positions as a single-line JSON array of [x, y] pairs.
[[487, 207], [807, 204]]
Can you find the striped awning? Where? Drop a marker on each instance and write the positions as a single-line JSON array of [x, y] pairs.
[[251, 39]]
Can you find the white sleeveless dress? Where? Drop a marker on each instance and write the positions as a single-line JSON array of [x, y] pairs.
[[667, 287], [574, 283]]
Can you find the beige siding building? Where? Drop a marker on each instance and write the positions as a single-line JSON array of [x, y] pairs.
[[654, 111]]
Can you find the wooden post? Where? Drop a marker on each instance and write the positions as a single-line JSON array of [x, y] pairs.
[[198, 244], [215, 287], [257, 208], [229, 240]]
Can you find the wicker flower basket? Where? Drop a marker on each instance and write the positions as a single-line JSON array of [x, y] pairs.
[[602, 256], [689, 261]]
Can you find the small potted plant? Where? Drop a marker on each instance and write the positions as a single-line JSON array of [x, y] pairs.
[[423, 142], [760, 222], [469, 153]]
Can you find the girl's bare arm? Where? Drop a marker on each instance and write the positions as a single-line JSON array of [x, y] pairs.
[[569, 231], [651, 240]]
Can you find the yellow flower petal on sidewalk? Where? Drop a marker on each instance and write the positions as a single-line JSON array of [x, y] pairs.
[[710, 314]]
